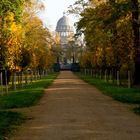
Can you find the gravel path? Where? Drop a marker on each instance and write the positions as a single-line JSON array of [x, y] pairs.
[[74, 110]]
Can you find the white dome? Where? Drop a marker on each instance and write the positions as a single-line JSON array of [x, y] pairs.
[[64, 25]]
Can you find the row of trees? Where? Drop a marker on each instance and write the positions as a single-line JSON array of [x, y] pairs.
[[24, 41], [111, 31]]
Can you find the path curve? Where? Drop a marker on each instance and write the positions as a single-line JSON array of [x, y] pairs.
[[74, 110]]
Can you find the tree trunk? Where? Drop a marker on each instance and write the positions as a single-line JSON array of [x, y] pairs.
[[135, 25]]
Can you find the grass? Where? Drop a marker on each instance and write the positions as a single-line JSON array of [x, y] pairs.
[[20, 98], [122, 94], [27, 96], [9, 121]]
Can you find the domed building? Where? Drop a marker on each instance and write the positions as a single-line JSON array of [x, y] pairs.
[[65, 29]]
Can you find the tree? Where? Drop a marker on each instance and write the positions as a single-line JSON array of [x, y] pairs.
[[24, 41], [37, 42], [112, 26], [56, 48], [78, 7], [136, 32], [7, 7]]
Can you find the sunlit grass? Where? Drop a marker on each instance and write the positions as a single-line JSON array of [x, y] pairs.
[[20, 98], [122, 94], [27, 96]]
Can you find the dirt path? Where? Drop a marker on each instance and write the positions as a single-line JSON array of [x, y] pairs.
[[74, 110]]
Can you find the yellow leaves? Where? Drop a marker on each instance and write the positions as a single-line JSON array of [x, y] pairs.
[[13, 39], [15, 35], [86, 59], [16, 28], [97, 2], [108, 34], [57, 38], [124, 21], [38, 40], [28, 40], [14, 48], [9, 17]]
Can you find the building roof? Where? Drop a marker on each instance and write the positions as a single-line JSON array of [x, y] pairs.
[[64, 25]]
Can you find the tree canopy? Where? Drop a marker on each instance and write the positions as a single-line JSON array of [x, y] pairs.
[[24, 41], [111, 34]]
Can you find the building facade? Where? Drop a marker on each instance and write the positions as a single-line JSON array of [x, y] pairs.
[[65, 30]]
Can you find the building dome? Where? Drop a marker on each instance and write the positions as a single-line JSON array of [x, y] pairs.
[[65, 29], [64, 25]]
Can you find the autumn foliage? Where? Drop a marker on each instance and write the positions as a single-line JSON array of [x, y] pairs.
[[111, 34], [24, 41]]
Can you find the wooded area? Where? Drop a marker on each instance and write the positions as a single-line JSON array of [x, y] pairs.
[[111, 35], [110, 28], [25, 44]]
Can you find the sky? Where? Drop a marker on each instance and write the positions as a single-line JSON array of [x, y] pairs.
[[54, 11]]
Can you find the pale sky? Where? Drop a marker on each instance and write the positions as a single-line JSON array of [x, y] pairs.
[[54, 11]]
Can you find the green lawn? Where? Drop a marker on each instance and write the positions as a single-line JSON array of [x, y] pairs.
[[122, 94], [9, 121], [26, 97]]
